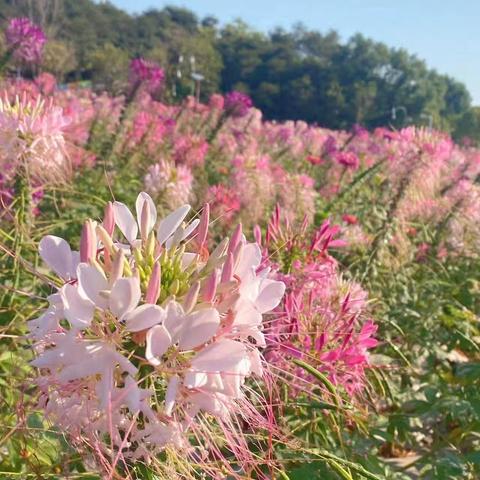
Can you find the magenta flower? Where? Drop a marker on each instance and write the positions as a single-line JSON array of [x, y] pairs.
[[147, 74], [190, 150], [237, 104], [321, 319], [347, 159], [25, 40]]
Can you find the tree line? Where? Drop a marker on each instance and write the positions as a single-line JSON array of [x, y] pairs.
[[298, 74]]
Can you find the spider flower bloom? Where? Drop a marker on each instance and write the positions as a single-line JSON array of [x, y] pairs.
[[150, 339], [347, 159], [321, 319], [32, 134], [173, 184], [237, 104], [224, 201], [25, 40], [190, 150], [147, 74]]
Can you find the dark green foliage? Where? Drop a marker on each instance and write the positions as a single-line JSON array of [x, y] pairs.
[[298, 74]]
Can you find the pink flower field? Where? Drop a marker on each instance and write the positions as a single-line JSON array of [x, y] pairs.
[[190, 290]]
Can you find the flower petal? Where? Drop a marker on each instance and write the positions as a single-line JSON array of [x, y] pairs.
[[125, 221], [250, 259], [173, 319], [90, 283], [246, 315], [271, 292], [124, 296], [169, 224], [182, 233], [158, 341], [171, 393], [77, 309], [198, 328], [57, 254], [222, 356], [141, 199], [144, 317]]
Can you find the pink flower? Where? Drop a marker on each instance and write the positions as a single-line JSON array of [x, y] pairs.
[[349, 219], [422, 252], [321, 317], [25, 39], [347, 159], [224, 202], [190, 150], [315, 160], [46, 83], [33, 134], [216, 102], [237, 104], [147, 74], [173, 184], [198, 315]]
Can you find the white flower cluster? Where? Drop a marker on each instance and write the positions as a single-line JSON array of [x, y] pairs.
[[147, 331]]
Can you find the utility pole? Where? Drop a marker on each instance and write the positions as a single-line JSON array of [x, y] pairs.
[[400, 108]]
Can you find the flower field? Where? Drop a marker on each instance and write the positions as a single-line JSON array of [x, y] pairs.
[[191, 291]]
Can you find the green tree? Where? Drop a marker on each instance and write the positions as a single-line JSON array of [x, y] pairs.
[[59, 59], [109, 67]]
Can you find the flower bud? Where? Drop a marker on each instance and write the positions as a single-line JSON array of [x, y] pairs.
[[106, 239], [150, 247], [236, 238], [217, 254], [174, 287], [237, 255], [145, 221], [109, 218], [138, 255], [203, 226], [210, 287], [191, 297], [227, 271], [88, 242], [257, 233], [153, 288], [117, 266]]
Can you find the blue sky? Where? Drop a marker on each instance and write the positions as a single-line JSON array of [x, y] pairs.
[[445, 33]]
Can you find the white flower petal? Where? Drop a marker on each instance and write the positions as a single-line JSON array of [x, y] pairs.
[[222, 356], [90, 283], [125, 221], [198, 327], [124, 296], [187, 259], [75, 261], [190, 228], [57, 254], [77, 309], [158, 340], [210, 403], [270, 295], [256, 362], [246, 315], [171, 394], [181, 234], [144, 317], [250, 260], [169, 224], [173, 319]]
